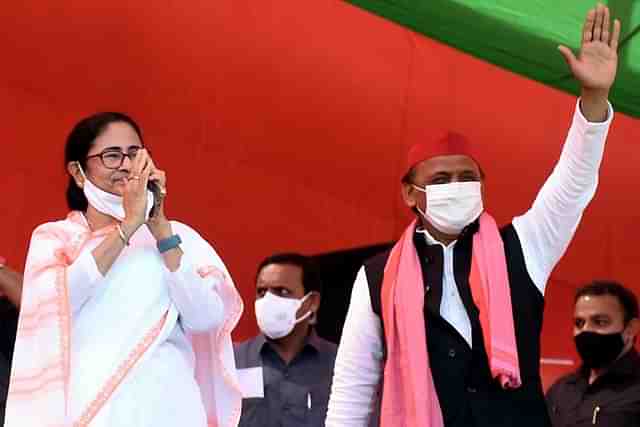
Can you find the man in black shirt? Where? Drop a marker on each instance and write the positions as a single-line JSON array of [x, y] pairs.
[[606, 389]]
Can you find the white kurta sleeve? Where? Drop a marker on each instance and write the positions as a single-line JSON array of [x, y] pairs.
[[547, 228], [83, 277], [359, 365], [196, 297]]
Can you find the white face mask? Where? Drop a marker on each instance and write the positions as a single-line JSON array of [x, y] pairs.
[[277, 315], [451, 207], [107, 203]]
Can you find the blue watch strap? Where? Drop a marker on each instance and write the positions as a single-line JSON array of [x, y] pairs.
[[169, 243]]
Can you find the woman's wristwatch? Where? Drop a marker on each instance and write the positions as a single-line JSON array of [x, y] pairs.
[[169, 243]]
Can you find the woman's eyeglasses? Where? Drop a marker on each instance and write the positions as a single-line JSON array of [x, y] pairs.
[[113, 158]]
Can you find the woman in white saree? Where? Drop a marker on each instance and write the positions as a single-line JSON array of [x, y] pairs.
[[126, 316]]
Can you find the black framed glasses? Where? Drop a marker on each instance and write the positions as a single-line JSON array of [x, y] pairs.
[[113, 158]]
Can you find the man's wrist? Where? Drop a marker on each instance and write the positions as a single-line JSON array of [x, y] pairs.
[[594, 104]]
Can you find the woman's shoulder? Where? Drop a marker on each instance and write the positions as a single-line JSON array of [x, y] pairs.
[[187, 234], [184, 230], [72, 224], [191, 238]]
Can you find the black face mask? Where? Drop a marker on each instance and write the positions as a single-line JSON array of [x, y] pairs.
[[599, 350]]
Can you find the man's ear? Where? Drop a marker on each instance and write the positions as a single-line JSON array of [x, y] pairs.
[[312, 304], [408, 195], [632, 329], [74, 169], [314, 301]]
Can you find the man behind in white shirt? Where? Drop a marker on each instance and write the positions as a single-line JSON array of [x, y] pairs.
[[467, 392]]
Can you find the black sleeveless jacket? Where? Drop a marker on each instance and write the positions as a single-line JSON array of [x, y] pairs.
[[468, 395]]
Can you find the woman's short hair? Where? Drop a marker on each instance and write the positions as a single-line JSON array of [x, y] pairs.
[[80, 141]]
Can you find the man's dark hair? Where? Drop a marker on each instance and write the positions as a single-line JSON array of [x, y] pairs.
[[408, 177], [80, 141], [311, 280], [627, 299]]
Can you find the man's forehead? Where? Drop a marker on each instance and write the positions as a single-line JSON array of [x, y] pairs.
[[591, 305], [447, 163], [280, 273]]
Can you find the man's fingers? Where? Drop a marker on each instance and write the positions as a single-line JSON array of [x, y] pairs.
[[568, 55], [615, 35], [606, 26], [587, 30], [597, 26]]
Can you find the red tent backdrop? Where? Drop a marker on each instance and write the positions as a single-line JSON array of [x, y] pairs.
[[283, 125]]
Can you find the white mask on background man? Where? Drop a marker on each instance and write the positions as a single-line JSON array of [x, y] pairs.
[[451, 207], [276, 315], [107, 203]]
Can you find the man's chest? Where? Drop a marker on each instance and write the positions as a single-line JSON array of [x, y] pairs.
[[294, 395], [613, 406]]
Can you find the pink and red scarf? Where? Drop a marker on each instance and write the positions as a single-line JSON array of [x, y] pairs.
[[409, 395]]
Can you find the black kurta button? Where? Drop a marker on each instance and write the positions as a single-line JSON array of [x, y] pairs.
[[452, 353], [471, 390]]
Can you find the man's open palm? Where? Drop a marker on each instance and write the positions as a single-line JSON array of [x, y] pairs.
[[596, 64]]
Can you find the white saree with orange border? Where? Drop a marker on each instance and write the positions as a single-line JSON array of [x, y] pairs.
[[141, 346]]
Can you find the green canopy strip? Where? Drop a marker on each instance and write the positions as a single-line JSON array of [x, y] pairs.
[[522, 36]]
